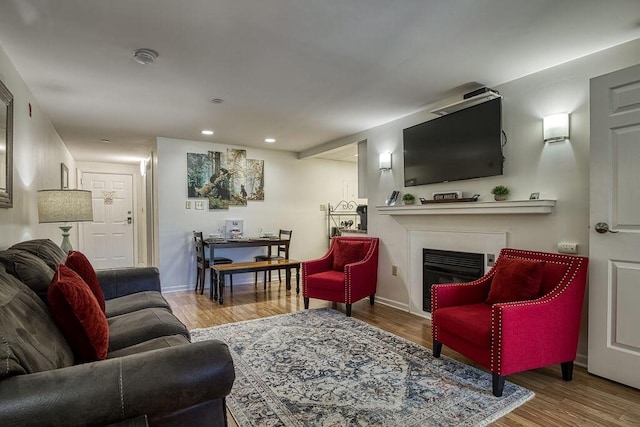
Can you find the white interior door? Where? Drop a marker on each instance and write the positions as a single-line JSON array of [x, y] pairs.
[[614, 281], [108, 240]]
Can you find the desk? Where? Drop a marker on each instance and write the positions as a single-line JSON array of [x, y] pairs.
[[220, 270]]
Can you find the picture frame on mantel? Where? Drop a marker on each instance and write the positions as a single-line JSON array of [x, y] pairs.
[[64, 177]]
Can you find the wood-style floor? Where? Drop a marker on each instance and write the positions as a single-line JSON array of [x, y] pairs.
[[586, 401]]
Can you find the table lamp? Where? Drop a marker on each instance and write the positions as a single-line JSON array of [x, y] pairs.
[[65, 206]]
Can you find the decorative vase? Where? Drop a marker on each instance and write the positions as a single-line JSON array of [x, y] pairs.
[[500, 197]]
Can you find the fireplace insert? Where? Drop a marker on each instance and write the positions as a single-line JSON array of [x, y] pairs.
[[448, 267]]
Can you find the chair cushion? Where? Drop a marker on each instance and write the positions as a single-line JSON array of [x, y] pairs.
[[29, 340], [44, 249], [81, 265], [29, 269], [471, 322], [515, 280], [346, 252], [76, 311], [134, 302], [329, 280]]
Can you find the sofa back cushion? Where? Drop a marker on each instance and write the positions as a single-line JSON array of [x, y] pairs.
[[75, 310], [29, 269], [44, 249], [81, 265], [29, 340]]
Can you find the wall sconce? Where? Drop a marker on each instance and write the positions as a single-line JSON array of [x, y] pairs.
[[385, 161], [556, 127]]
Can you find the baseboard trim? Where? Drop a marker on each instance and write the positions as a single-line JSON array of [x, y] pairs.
[[392, 303]]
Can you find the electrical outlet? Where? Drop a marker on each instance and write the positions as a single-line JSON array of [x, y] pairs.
[[323, 208], [394, 270], [491, 259], [567, 248]]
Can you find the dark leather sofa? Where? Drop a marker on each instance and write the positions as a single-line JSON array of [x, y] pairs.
[[152, 372]]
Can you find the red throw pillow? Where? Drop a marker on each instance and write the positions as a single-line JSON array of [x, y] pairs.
[[75, 310], [515, 280], [81, 265], [347, 252]]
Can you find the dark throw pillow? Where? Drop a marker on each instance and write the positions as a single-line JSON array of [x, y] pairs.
[[515, 280], [347, 252], [81, 265], [75, 310]]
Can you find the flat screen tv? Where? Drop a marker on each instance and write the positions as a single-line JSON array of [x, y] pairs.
[[462, 145]]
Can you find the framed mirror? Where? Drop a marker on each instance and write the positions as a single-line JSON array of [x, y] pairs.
[[6, 147]]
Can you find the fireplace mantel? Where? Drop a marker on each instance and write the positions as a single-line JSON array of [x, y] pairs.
[[509, 207]]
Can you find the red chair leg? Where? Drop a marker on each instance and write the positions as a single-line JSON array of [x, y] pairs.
[[498, 384], [567, 370], [306, 303], [348, 310], [372, 299], [437, 348]]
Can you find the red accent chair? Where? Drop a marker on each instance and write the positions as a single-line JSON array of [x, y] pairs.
[[347, 273], [514, 334]]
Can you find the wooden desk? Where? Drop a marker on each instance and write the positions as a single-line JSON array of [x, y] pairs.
[[220, 270]]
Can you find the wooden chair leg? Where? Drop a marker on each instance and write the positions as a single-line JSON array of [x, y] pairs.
[[498, 384], [567, 370], [306, 303], [437, 348], [372, 299], [348, 310], [279, 277]]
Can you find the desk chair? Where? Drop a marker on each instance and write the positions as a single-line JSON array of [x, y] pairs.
[[282, 252], [203, 263]]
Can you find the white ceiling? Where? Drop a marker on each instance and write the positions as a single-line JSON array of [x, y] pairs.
[[302, 71]]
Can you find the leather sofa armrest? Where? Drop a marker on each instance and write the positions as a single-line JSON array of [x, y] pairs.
[[154, 383], [124, 281]]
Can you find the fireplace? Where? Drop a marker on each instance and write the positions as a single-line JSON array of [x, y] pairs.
[[448, 267]]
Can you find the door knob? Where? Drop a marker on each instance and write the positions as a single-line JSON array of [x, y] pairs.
[[603, 227]]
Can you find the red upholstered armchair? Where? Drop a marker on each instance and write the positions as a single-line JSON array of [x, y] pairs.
[[523, 314], [347, 273]]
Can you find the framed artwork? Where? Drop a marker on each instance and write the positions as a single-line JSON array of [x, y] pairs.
[[64, 177], [534, 196]]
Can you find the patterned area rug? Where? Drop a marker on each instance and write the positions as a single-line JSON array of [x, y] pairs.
[[320, 368]]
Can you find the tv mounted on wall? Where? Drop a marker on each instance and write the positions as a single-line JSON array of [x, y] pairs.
[[462, 145]]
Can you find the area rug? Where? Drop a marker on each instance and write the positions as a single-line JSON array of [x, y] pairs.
[[320, 368]]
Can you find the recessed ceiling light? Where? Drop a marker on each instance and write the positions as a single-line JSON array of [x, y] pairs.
[[145, 56], [270, 140], [207, 132], [105, 141], [217, 101]]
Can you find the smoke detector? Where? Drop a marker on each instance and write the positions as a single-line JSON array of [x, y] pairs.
[[145, 56]]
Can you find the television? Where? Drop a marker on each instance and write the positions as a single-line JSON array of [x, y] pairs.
[[462, 145]]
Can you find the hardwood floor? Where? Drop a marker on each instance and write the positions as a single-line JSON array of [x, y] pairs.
[[586, 401]]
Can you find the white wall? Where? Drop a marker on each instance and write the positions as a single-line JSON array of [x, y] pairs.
[[37, 154], [294, 190], [558, 171]]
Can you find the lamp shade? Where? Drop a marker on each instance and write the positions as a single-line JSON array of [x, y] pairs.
[[64, 206]]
